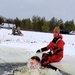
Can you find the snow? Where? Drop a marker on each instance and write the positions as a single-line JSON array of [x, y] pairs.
[[20, 48], [12, 46], [17, 46]]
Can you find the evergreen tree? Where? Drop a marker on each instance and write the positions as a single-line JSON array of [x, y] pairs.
[[26, 24], [36, 23], [61, 24], [69, 25], [17, 22], [1, 20], [44, 25], [52, 24]]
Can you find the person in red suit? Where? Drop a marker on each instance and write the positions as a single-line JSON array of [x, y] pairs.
[[55, 47]]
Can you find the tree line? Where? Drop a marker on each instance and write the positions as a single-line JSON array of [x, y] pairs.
[[39, 24]]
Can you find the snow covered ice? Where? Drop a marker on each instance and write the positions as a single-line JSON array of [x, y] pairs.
[[15, 49]]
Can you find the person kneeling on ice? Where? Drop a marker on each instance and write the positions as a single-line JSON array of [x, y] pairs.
[[55, 47]]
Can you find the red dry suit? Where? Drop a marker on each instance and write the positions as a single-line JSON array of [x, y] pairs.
[[57, 48]]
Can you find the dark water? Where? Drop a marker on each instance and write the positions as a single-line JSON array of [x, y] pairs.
[[9, 68]]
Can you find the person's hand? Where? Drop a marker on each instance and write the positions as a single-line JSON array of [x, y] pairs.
[[50, 53], [46, 63], [38, 51]]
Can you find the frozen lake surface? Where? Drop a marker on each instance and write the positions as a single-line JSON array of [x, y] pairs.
[[18, 49]]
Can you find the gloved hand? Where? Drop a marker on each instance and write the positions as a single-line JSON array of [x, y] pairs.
[[38, 51], [50, 53], [45, 63]]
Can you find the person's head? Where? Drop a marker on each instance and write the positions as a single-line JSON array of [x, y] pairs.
[[56, 29], [34, 62], [56, 32]]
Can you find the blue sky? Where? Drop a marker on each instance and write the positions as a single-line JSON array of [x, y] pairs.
[[60, 9]]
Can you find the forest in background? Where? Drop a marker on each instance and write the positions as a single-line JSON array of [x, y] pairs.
[[40, 24]]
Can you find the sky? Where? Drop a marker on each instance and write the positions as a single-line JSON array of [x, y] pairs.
[[60, 9]]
